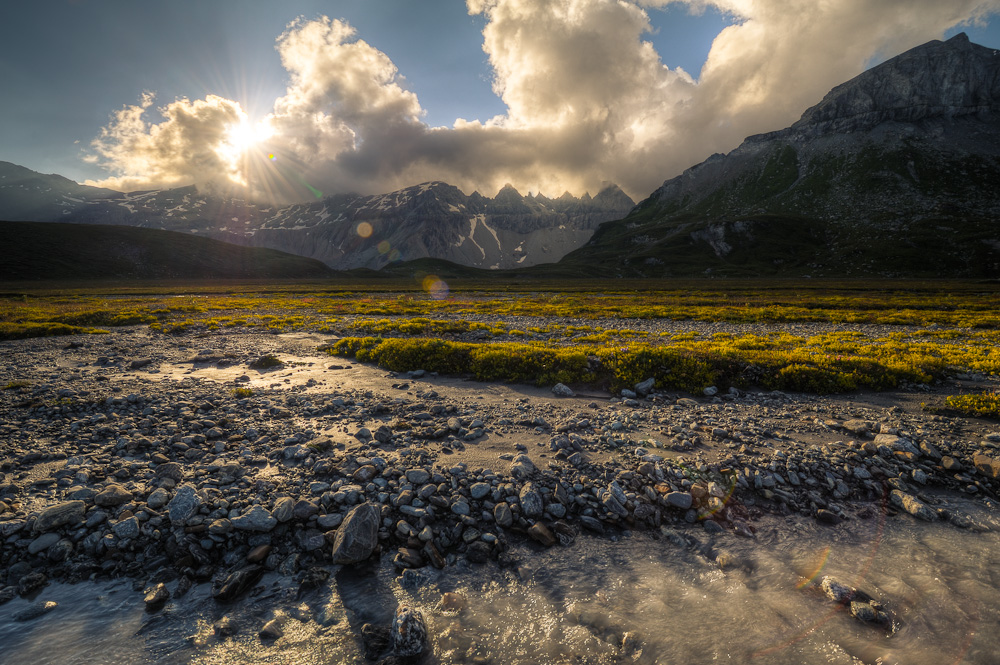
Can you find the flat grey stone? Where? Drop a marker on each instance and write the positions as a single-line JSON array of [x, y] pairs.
[[112, 495], [43, 542], [61, 514], [417, 476], [256, 519]]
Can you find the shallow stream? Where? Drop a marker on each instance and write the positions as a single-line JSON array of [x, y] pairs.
[[645, 598]]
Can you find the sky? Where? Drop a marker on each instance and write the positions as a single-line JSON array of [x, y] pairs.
[[292, 99]]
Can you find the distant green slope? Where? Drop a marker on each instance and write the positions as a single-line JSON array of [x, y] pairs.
[[904, 210], [53, 251]]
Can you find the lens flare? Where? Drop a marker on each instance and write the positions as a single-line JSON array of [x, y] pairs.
[[364, 230], [435, 287], [814, 567], [384, 247]]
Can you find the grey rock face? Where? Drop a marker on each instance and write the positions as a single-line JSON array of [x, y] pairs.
[[645, 387], [417, 476], [613, 505], [531, 500], [237, 583], [113, 495], [503, 515], [433, 219], [951, 79], [185, 504], [479, 490], [271, 630], [330, 520], [283, 508], [542, 535], [156, 596], [127, 528], [35, 610], [522, 467], [837, 591], [913, 139], [304, 509], [170, 470], [357, 537], [158, 498], [256, 519], [682, 500]]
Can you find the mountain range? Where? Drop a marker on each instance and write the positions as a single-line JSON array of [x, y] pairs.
[[344, 231]]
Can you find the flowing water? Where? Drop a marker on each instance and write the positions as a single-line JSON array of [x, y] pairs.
[[645, 598]]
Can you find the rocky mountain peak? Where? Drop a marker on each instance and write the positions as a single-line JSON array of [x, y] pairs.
[[509, 201], [938, 79], [611, 196], [508, 192]]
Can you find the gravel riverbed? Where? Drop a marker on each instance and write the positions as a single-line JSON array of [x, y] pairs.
[[171, 461]]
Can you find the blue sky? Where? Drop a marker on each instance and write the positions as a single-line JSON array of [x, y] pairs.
[[68, 65]]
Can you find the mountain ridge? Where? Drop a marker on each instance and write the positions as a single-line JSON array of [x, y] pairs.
[[346, 231], [917, 84], [895, 172]]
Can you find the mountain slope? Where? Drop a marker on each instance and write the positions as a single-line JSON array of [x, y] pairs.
[[54, 251], [26, 194], [896, 172]]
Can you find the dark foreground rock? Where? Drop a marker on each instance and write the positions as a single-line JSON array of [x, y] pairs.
[[357, 536], [409, 632], [237, 583]]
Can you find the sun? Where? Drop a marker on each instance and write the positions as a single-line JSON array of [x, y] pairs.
[[244, 135], [241, 137], [240, 143]]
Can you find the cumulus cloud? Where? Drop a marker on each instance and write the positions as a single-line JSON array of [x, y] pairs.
[[587, 98], [784, 55], [188, 146]]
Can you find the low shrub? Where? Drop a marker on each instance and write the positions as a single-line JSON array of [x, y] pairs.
[[679, 367], [266, 361], [983, 405], [31, 329], [16, 385]]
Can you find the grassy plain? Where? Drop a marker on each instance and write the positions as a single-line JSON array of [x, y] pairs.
[[870, 335]]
